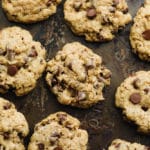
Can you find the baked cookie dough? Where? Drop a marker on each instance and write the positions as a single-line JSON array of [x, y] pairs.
[[97, 20], [59, 131], [133, 97], [22, 61], [119, 144], [140, 32], [13, 127], [29, 11], [76, 76]]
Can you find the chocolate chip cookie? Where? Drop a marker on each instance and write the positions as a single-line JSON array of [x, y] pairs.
[[76, 76], [119, 144], [22, 61], [140, 32], [97, 20], [133, 97], [13, 127], [29, 11], [59, 131]]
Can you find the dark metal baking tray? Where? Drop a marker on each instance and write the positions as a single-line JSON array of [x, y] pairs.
[[104, 122]]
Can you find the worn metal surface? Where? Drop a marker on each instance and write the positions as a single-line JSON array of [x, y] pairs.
[[104, 122]]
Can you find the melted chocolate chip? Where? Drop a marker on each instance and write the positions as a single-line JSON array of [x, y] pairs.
[[91, 13], [146, 35], [7, 106], [41, 146], [12, 70], [33, 53], [58, 148], [135, 98], [62, 118], [6, 135], [136, 83], [147, 90], [54, 81], [77, 5]]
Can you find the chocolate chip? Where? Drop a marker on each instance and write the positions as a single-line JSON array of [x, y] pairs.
[[146, 35], [105, 75], [91, 13], [135, 98], [12, 70], [6, 135], [58, 148], [144, 108], [117, 145], [41, 146], [125, 11], [136, 83], [7, 106], [77, 5], [116, 2], [81, 96], [54, 81], [33, 53], [147, 90], [62, 118]]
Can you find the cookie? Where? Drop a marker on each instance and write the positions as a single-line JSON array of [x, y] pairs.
[[76, 76], [133, 97], [22, 61], [59, 131], [29, 11], [13, 127], [97, 20], [119, 144], [140, 32]]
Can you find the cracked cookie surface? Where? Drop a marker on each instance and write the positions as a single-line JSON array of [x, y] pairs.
[[76, 76], [59, 131], [97, 20], [140, 32], [133, 97], [29, 11], [22, 61], [13, 127], [119, 144]]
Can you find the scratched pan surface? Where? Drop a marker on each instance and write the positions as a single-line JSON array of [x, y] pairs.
[[103, 121]]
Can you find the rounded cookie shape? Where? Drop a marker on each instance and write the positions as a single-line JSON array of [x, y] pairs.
[[119, 144], [76, 76], [22, 61], [59, 131], [29, 11], [140, 32], [133, 97], [13, 127], [97, 20]]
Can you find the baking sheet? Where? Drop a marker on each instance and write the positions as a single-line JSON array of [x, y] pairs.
[[103, 122]]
